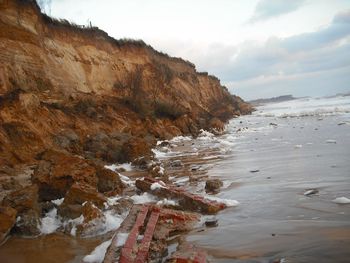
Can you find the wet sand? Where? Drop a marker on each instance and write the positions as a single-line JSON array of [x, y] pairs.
[[275, 219], [53, 248]]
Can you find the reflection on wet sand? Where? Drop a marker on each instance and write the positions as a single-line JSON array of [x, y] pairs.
[[53, 248]]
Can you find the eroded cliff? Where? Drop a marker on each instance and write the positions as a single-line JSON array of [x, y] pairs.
[[62, 85], [73, 98]]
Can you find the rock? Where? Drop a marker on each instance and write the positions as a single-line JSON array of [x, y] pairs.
[[103, 146], [213, 185], [108, 181], [25, 202], [10, 184], [311, 192], [57, 171], [28, 223], [93, 220], [70, 211], [216, 124], [176, 164], [142, 162], [7, 221], [211, 222], [81, 192], [68, 139], [134, 148], [164, 144], [254, 171]]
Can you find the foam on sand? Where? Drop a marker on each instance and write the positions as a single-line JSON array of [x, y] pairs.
[[98, 254], [144, 198], [50, 223]]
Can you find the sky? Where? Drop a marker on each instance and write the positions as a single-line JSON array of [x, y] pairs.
[[257, 48]]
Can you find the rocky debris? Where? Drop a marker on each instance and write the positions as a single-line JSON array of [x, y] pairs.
[[107, 147], [154, 225], [68, 139], [142, 162], [171, 220], [134, 148], [57, 171], [7, 221], [108, 181], [164, 144], [213, 185], [77, 195], [93, 220], [188, 254], [157, 170], [186, 200], [212, 222], [216, 124], [176, 164], [25, 202], [80, 193], [10, 184]]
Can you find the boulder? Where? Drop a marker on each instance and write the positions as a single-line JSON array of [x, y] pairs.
[[81, 192], [57, 171], [104, 147], [23, 199], [93, 220], [7, 221], [68, 139], [108, 181], [216, 124], [213, 185], [135, 147], [25, 202]]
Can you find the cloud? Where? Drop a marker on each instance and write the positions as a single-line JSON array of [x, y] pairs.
[[266, 9], [279, 64], [339, 28]]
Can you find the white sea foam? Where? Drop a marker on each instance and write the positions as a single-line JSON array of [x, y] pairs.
[[178, 139], [306, 107], [114, 167], [144, 198], [113, 200], [342, 200], [166, 201], [58, 202], [157, 185], [163, 154], [182, 180], [227, 202], [126, 180], [112, 221], [50, 223], [121, 239], [75, 222], [98, 254]]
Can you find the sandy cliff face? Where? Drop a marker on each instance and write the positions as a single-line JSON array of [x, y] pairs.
[[79, 90]]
